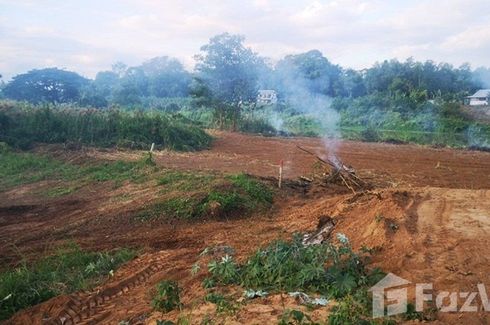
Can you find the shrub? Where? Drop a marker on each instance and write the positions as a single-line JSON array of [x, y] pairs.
[[167, 296]]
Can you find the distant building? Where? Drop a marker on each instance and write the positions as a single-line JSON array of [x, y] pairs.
[[480, 98], [266, 97]]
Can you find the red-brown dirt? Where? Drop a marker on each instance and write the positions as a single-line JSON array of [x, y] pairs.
[[428, 223]]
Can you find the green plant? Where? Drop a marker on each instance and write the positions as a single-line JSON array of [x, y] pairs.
[[68, 270], [351, 310], [295, 317], [167, 296], [223, 305], [225, 271], [22, 168]]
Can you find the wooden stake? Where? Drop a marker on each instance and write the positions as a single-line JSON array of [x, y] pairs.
[[152, 146], [280, 174]]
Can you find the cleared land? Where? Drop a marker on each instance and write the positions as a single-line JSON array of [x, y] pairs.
[[427, 219]]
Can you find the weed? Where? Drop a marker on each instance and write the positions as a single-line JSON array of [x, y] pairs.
[[69, 270], [167, 297], [295, 317], [223, 304], [186, 181]]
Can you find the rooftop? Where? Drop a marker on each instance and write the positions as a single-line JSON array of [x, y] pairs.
[[482, 93]]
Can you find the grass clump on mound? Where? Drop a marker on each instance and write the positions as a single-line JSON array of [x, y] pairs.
[[22, 126], [210, 196], [69, 269]]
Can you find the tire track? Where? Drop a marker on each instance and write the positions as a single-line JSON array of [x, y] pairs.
[[92, 308]]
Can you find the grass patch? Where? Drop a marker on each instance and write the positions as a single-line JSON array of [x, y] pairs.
[[69, 269], [185, 181], [227, 197], [24, 168], [59, 191]]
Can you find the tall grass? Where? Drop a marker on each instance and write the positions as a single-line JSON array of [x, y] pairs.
[[23, 125]]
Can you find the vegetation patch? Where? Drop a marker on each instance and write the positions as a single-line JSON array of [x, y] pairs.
[[331, 270], [211, 196], [69, 269], [23, 168], [166, 297], [23, 125], [291, 266], [186, 181]]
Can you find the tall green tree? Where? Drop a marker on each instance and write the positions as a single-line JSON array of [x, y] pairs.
[[227, 74]]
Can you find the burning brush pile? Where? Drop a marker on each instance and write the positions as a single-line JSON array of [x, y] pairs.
[[334, 171]]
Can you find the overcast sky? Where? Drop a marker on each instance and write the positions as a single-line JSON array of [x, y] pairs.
[[87, 36]]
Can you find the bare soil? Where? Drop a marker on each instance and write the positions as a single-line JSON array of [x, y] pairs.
[[428, 221]]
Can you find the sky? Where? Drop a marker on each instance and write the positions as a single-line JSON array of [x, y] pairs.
[[88, 36]]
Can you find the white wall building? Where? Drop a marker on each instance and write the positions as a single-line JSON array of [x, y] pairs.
[[480, 98], [266, 97]]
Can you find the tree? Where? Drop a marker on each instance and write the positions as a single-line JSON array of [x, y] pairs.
[[131, 87], [353, 83], [227, 73], [166, 77], [46, 85], [310, 70]]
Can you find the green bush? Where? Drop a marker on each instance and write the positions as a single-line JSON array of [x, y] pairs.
[[167, 296], [68, 270]]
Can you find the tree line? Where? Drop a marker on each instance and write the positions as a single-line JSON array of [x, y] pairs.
[[228, 75]]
